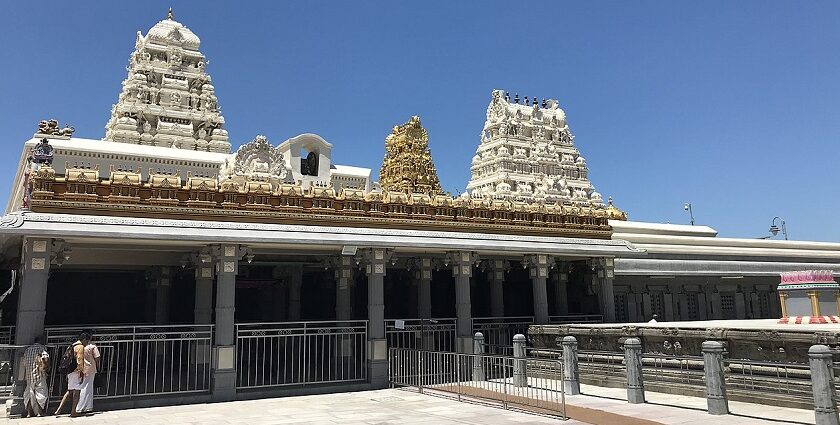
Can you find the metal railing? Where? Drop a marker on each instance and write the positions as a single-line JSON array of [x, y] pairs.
[[7, 335], [674, 371], [429, 334], [300, 353], [141, 360], [534, 385], [768, 380], [605, 368], [577, 318], [499, 331]]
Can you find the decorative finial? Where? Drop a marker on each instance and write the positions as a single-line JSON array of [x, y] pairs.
[[527, 102], [609, 200], [169, 15], [516, 98]]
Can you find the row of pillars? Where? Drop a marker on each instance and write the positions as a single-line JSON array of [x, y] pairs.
[[222, 264], [819, 357]]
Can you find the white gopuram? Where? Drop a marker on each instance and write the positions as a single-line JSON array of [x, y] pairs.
[[167, 99], [527, 154]]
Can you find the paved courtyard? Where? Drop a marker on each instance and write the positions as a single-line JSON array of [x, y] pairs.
[[407, 407]]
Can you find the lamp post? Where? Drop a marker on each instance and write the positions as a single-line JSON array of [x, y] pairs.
[[775, 229], [687, 207]]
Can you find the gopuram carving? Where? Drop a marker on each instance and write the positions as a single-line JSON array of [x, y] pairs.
[[408, 166], [527, 154], [168, 99]]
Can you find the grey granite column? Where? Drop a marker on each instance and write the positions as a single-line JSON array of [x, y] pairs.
[[497, 293], [478, 360], [32, 304], [295, 282], [32, 301], [571, 374], [633, 361], [150, 298], [668, 307], [164, 281], [424, 289], [224, 370], [740, 305], [714, 306], [716, 399], [822, 383], [203, 311], [633, 308], [702, 306], [561, 294], [279, 292], [538, 270], [605, 274], [520, 374], [343, 280], [377, 345], [462, 270]]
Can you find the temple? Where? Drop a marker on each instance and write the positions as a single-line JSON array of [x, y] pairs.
[[271, 269]]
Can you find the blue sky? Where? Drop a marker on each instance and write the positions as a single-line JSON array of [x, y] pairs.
[[732, 106]]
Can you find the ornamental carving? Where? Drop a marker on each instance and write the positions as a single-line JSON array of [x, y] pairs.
[[256, 159]]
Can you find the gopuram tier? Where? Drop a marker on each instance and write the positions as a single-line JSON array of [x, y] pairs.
[[527, 153], [168, 99]]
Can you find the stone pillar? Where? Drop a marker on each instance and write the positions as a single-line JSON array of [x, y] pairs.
[[164, 281], [295, 282], [478, 360], [520, 374], [633, 361], [32, 305], [822, 383], [561, 294], [32, 301], [203, 311], [755, 306], [633, 308], [497, 293], [647, 309], [343, 282], [701, 306], [377, 345], [682, 305], [668, 301], [278, 293], [150, 298], [462, 263], [424, 289], [571, 374], [538, 269], [224, 359], [604, 275], [716, 399], [714, 306], [740, 306]]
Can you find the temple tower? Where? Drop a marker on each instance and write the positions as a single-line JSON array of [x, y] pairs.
[[167, 99], [408, 166], [527, 154]]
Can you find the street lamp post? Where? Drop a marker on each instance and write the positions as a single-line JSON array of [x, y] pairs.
[[687, 207], [775, 229]]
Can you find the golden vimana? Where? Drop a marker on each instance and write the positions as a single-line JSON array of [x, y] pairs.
[[408, 166]]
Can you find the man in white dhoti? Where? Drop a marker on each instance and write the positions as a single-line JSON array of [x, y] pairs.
[[36, 362], [91, 366]]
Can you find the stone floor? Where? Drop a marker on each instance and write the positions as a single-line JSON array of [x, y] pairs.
[[399, 406], [367, 407]]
